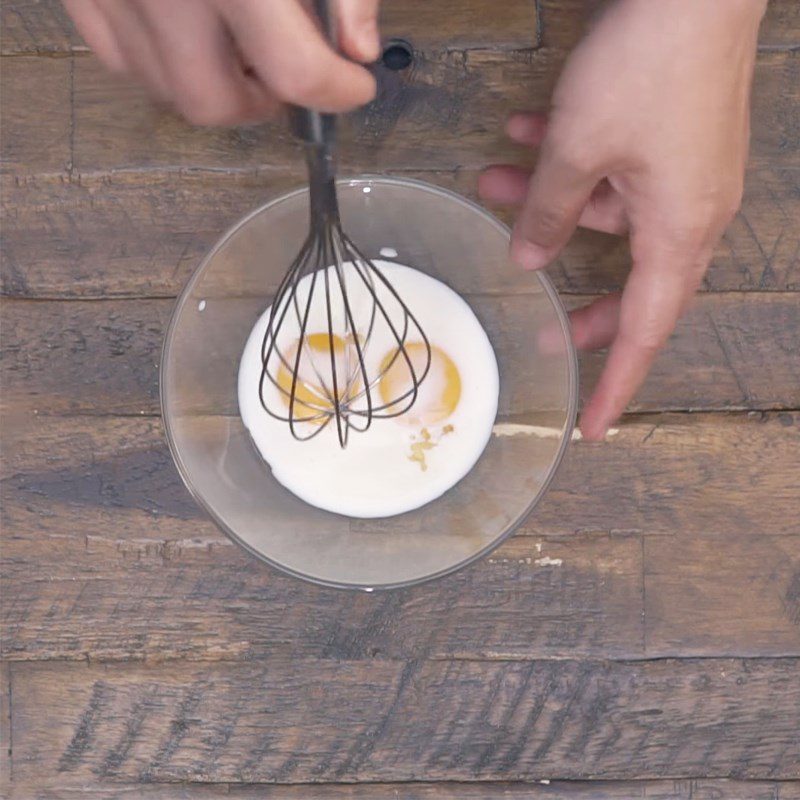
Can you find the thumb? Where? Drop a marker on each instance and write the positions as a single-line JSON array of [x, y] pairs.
[[358, 29], [558, 191]]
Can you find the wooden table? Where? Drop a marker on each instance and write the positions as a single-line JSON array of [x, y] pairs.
[[639, 637]]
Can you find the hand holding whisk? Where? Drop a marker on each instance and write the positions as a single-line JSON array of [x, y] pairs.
[[331, 306]]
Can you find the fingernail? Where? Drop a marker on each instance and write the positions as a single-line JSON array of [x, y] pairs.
[[529, 255], [518, 126]]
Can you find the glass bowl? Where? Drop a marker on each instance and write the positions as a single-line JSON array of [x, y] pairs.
[[451, 239]]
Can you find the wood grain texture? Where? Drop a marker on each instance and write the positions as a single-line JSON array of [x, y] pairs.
[[41, 26], [37, 27], [685, 474], [107, 557], [37, 136], [142, 233], [107, 597], [295, 719], [741, 593], [721, 789], [6, 740], [144, 654], [730, 351], [562, 23], [446, 112]]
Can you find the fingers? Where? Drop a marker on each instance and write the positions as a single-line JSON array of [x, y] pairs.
[[358, 29], [191, 52], [605, 211], [527, 128], [95, 28], [508, 185], [653, 299], [504, 185], [558, 191], [138, 54], [208, 84], [595, 326], [291, 58]]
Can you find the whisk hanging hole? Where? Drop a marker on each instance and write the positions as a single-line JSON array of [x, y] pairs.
[[397, 55]]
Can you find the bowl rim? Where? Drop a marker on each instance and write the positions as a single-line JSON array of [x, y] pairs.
[[511, 528]]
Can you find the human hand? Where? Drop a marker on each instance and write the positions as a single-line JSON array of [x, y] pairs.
[[647, 135], [223, 62]]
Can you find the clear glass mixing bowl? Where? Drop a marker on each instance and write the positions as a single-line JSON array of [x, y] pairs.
[[448, 237]]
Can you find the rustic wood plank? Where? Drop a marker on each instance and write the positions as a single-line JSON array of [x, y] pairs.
[[446, 112], [562, 23], [107, 557], [704, 591], [37, 136], [108, 596], [142, 233], [685, 474], [42, 26], [37, 26], [454, 24], [6, 741], [730, 351], [277, 720], [697, 789]]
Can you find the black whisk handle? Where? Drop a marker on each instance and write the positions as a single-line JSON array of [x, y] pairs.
[[313, 127]]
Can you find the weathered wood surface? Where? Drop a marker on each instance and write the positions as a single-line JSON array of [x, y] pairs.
[[562, 23], [721, 789], [107, 557], [453, 103], [36, 135], [300, 719], [142, 233], [42, 27], [112, 597], [139, 644], [732, 351], [733, 474], [741, 594]]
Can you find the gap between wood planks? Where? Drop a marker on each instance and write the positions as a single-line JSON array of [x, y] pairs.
[[501, 658], [627, 417], [57, 298], [698, 787]]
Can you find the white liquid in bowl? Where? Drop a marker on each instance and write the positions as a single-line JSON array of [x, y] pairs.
[[401, 463]]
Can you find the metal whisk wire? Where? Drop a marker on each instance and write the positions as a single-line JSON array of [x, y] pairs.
[[310, 397]]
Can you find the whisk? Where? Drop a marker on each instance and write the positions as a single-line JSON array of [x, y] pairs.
[[312, 378]]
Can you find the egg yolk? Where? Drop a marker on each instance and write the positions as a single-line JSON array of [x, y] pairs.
[[437, 398], [310, 399], [438, 394]]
